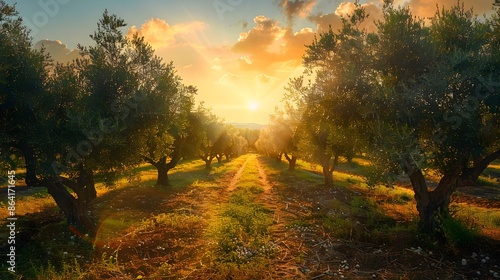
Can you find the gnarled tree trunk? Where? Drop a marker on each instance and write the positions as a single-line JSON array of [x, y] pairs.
[[76, 209], [328, 175], [208, 162], [327, 170], [430, 203], [30, 161], [292, 161], [207, 158], [163, 167], [279, 157]]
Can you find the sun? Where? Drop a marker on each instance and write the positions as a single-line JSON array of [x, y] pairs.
[[253, 106]]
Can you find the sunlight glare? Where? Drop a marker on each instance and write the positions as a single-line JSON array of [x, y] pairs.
[[253, 106]]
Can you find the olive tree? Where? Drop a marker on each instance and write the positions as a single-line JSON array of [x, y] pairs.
[[93, 116], [338, 66], [443, 93], [423, 98], [207, 135]]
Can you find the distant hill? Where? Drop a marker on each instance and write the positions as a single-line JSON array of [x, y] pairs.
[[247, 125]]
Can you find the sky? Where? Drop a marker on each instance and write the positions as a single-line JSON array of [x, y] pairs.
[[240, 54]]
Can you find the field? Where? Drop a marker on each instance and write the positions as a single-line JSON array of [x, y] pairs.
[[251, 218]]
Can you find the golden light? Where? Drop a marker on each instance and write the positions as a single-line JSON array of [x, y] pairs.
[[253, 106]]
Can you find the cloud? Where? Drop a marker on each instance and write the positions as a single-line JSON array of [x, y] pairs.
[[427, 8], [265, 79], [294, 8], [229, 79], [57, 50], [324, 21], [264, 34], [160, 34], [268, 42]]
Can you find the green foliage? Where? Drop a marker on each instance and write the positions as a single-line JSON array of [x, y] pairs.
[[459, 232], [338, 226], [283, 134], [331, 118], [168, 220], [71, 270], [23, 74]]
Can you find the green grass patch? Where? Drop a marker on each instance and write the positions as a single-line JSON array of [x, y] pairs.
[[488, 180], [485, 217], [493, 170], [241, 231], [170, 220], [56, 253], [338, 226]]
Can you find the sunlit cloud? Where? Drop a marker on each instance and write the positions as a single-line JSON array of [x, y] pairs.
[[263, 34], [160, 34], [344, 9], [217, 67], [268, 43]]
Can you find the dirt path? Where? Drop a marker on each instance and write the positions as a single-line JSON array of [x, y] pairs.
[[236, 179], [263, 177], [297, 254]]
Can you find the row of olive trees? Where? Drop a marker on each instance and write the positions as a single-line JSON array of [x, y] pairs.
[[412, 97], [115, 107]]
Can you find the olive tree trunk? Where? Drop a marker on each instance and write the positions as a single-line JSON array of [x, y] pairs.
[[75, 208], [163, 167], [292, 161], [431, 203]]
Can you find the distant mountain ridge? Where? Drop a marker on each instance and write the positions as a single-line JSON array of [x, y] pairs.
[[246, 125]]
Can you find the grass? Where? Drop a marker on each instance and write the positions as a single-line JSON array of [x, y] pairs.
[[485, 217], [460, 232], [488, 180], [493, 170], [171, 220], [240, 234]]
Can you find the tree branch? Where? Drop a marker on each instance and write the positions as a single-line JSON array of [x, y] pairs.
[[70, 184], [288, 157], [470, 175], [150, 161], [177, 153]]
